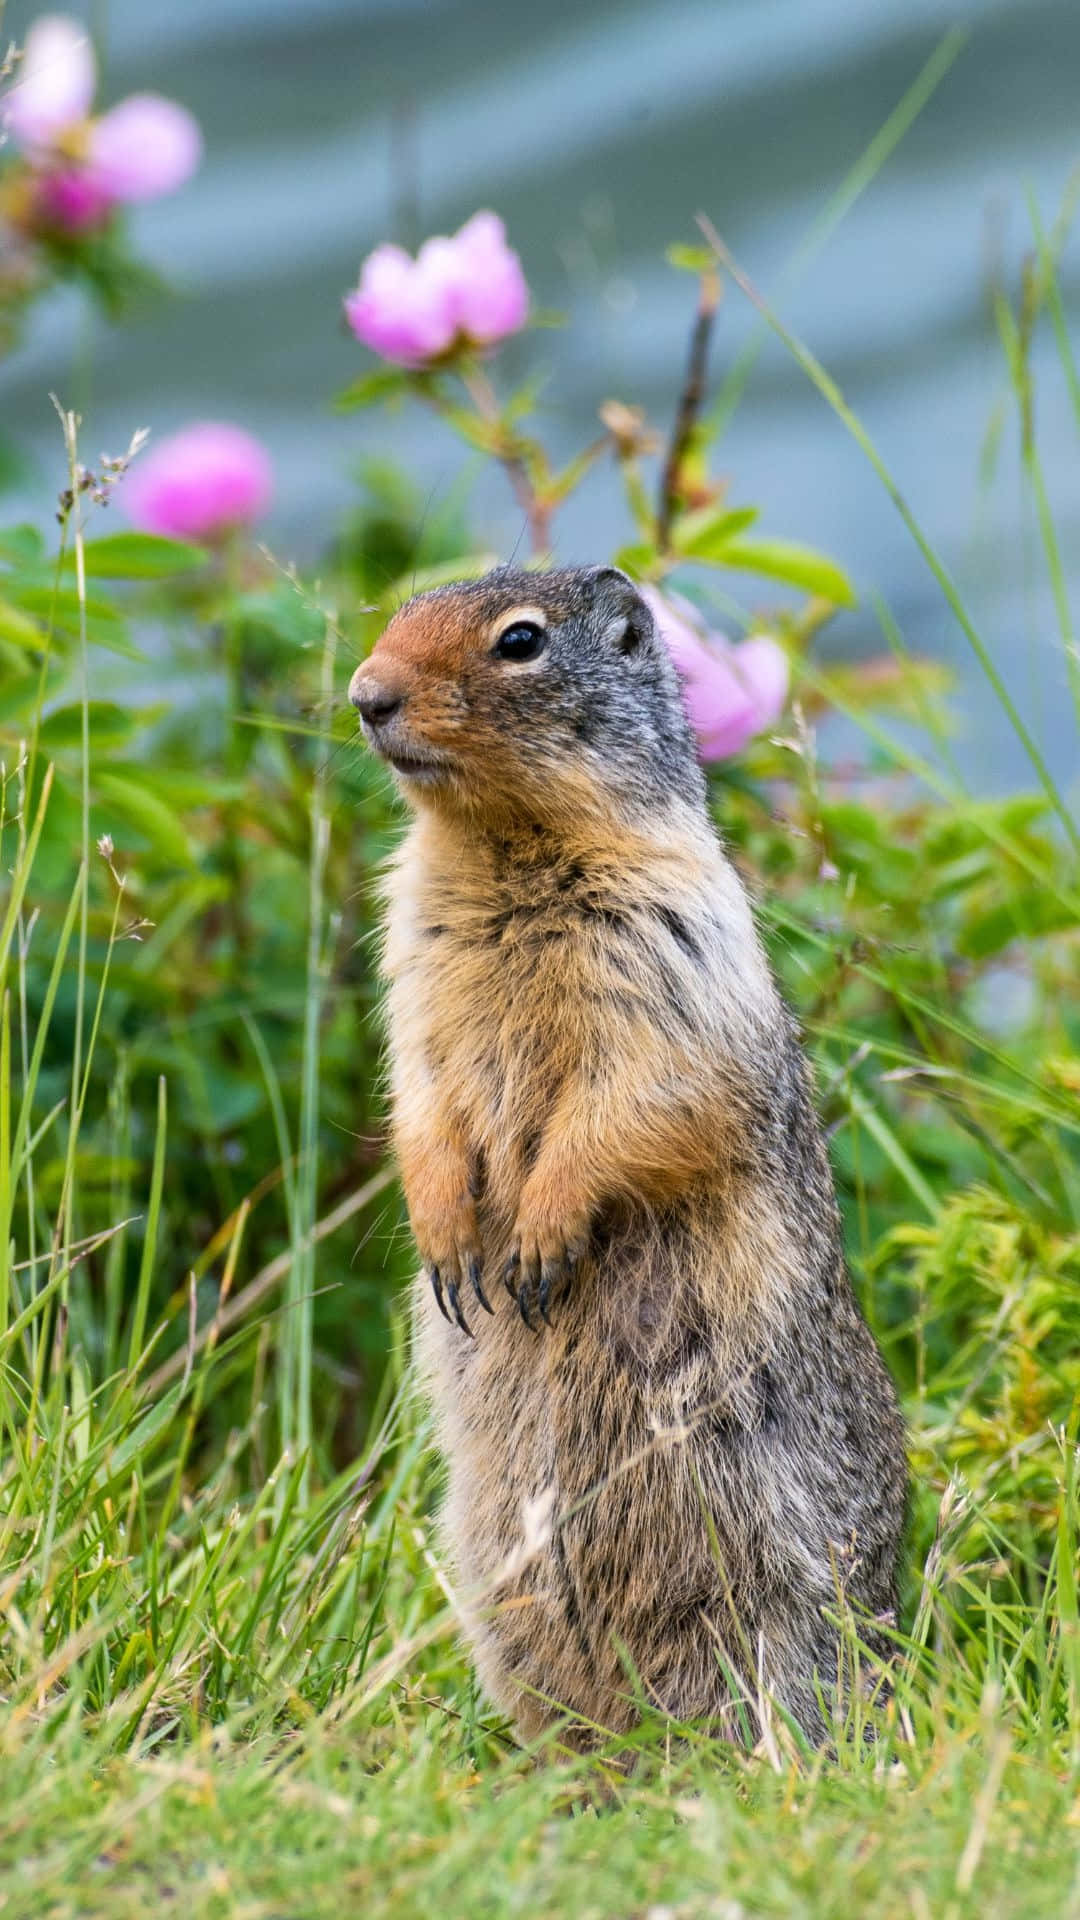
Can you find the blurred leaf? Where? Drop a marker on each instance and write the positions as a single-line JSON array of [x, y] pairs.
[[882, 683], [383, 384], [637, 560], [110, 725], [469, 566], [138, 556], [547, 317], [489, 436], [105, 627], [281, 611], [691, 259], [15, 470], [232, 1097], [189, 786], [95, 1169], [797, 566], [21, 546], [706, 534], [564, 483], [19, 629], [523, 402], [1027, 916], [20, 688], [129, 797]]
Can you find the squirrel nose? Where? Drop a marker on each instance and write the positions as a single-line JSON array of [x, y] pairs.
[[375, 703]]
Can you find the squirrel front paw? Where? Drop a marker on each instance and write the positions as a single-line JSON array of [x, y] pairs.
[[449, 1248], [543, 1258]]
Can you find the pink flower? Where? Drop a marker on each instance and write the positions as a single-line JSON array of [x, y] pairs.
[[201, 484], [469, 288], [54, 82], [493, 299], [143, 148], [731, 691], [83, 168], [68, 199]]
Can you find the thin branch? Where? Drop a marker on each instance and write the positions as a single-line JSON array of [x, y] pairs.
[[691, 400], [537, 511]]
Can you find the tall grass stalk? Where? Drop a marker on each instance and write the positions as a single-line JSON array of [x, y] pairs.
[[831, 394], [854, 184], [73, 514], [295, 1373]]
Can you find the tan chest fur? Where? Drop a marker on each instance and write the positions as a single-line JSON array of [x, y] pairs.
[[488, 1022]]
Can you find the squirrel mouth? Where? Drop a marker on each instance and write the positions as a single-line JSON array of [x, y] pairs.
[[423, 767]]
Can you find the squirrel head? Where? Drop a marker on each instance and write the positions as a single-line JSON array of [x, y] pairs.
[[547, 696]]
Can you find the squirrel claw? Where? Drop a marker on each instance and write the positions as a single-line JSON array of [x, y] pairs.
[[455, 1305], [540, 1281], [474, 1277], [435, 1277], [549, 1272]]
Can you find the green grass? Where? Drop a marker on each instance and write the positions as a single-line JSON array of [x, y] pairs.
[[231, 1678]]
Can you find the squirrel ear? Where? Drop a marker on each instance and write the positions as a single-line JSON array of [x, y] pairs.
[[627, 620]]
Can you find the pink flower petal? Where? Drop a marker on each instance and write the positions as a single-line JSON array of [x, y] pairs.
[[401, 309], [493, 298], [143, 148], [68, 200], [200, 484], [470, 285], [762, 667], [730, 692], [436, 291], [721, 711], [54, 82]]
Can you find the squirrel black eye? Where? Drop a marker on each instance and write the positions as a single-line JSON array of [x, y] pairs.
[[523, 641]]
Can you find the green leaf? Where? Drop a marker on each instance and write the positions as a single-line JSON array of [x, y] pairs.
[[281, 613], [1027, 916], [468, 566], [20, 693], [104, 625], [385, 383], [691, 259], [796, 566], [489, 436], [564, 483], [705, 534], [638, 561], [21, 546], [524, 401], [129, 798], [110, 726], [18, 628], [138, 556], [190, 786]]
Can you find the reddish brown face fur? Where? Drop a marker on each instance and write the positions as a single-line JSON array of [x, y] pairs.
[[531, 697], [430, 692]]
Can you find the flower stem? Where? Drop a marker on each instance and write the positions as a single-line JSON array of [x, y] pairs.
[[690, 403], [537, 510]]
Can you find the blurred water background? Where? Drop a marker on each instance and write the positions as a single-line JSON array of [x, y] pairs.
[[597, 131]]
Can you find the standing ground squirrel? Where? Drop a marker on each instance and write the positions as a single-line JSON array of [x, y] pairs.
[[599, 1099]]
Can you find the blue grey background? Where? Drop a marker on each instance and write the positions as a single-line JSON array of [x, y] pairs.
[[597, 130]]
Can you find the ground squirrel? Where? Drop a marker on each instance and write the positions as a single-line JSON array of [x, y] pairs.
[[674, 1451]]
